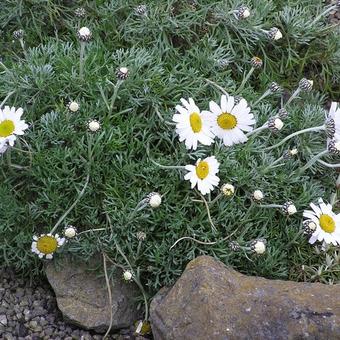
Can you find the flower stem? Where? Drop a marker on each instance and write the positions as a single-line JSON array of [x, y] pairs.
[[110, 295], [81, 59], [329, 165], [90, 230], [313, 160], [201, 242], [4, 101], [114, 96], [61, 219], [89, 155], [263, 127], [270, 206], [245, 79], [312, 129], [22, 44], [146, 314], [295, 94], [168, 166], [266, 94], [134, 275], [213, 227], [217, 86]]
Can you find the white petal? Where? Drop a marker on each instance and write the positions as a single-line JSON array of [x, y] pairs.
[[181, 110], [185, 103], [224, 103], [316, 209], [214, 108]]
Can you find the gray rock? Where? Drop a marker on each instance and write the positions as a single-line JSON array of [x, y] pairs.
[[211, 301], [22, 331], [3, 320], [82, 295]]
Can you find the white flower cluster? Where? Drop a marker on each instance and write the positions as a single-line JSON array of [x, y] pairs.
[[227, 121]]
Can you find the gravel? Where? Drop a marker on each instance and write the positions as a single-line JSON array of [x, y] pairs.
[[334, 16], [29, 311]]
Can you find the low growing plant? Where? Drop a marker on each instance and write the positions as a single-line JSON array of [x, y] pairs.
[[109, 111]]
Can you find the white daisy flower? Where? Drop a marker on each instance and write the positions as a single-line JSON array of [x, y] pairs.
[[229, 121], [192, 126], [46, 244], [203, 174], [11, 125], [327, 223]]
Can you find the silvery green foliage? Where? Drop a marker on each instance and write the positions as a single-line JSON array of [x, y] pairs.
[[169, 54]]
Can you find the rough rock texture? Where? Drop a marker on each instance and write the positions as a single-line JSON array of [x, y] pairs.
[[28, 311], [82, 296], [211, 301]]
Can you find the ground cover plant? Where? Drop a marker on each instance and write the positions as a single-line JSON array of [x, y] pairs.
[[111, 109]]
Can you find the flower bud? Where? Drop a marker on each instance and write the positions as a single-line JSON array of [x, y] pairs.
[[305, 84], [258, 195], [228, 189], [122, 73], [275, 124], [154, 199], [84, 34], [127, 275], [70, 231], [93, 125], [256, 62], [258, 246], [73, 106], [274, 33]]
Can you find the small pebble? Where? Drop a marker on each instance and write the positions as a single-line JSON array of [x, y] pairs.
[[30, 312]]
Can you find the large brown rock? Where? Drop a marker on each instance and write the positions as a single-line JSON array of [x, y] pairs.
[[211, 301], [82, 295]]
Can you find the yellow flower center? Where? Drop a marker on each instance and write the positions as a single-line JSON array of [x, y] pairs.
[[226, 121], [202, 170], [47, 244], [6, 128], [195, 122], [327, 223]]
